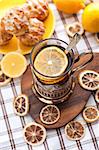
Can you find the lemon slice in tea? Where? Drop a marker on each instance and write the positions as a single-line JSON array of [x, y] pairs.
[[13, 64], [51, 61]]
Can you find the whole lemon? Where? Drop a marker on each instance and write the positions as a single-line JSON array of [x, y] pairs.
[[90, 18], [69, 6]]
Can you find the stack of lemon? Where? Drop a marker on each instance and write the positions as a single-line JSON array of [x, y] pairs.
[[90, 16]]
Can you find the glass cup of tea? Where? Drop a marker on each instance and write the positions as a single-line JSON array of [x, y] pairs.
[[52, 65]]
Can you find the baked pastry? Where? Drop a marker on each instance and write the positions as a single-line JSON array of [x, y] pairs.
[[4, 36], [25, 22], [35, 34], [36, 26], [15, 21], [36, 9]]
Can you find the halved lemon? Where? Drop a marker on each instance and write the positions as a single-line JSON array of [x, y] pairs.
[[51, 62], [13, 64]]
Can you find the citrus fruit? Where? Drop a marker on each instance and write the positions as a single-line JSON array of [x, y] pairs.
[[13, 64], [73, 28], [50, 114], [74, 130], [69, 6], [34, 134], [97, 96], [90, 114], [90, 18], [51, 61], [89, 80], [4, 80], [97, 37], [21, 105]]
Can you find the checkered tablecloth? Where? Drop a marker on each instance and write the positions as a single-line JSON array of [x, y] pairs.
[[11, 126]]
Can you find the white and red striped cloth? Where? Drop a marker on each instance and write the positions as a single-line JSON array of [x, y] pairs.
[[11, 126]]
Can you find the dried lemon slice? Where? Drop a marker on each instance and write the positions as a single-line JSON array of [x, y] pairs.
[[34, 134], [21, 105], [50, 114], [73, 28], [97, 37], [89, 80], [97, 96], [74, 130], [51, 61], [90, 114], [4, 80]]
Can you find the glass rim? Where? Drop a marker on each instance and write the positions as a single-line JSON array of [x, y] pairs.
[[46, 76]]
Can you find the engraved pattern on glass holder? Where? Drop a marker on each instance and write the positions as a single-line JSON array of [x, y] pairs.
[[55, 93]]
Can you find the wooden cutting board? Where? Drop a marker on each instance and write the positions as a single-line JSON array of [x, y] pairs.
[[70, 108]]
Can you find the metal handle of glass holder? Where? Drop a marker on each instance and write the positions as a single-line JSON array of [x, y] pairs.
[[72, 45]]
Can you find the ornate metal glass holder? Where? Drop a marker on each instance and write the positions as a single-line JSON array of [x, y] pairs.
[[64, 84], [53, 93]]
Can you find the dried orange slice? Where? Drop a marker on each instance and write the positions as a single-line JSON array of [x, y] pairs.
[[90, 114], [97, 96], [74, 130], [97, 37], [13, 64], [51, 61], [73, 28], [89, 80], [4, 80], [50, 114], [21, 105], [34, 134]]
